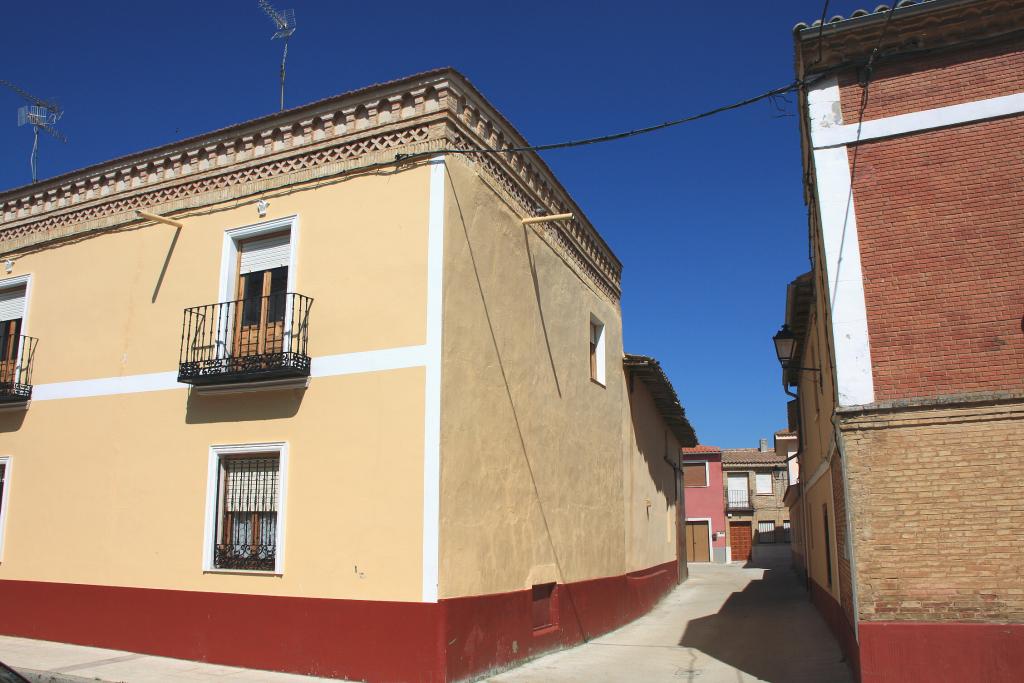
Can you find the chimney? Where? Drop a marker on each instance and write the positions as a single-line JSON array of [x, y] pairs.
[[764, 445]]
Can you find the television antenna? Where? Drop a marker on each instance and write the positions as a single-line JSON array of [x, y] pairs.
[[41, 115], [284, 22]]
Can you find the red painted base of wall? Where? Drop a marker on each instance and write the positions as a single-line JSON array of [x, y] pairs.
[[365, 640], [907, 652], [837, 622], [493, 631]]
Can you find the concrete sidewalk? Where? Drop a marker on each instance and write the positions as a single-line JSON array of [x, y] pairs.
[[44, 662], [725, 623]]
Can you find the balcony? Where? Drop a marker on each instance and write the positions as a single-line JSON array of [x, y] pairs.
[[17, 354], [738, 500], [250, 340]]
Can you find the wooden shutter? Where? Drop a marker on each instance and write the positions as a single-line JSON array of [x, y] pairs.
[[12, 303], [694, 474], [265, 253]]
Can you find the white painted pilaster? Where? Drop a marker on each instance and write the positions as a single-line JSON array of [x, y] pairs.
[[854, 381]]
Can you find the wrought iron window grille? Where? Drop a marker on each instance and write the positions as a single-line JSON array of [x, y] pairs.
[[246, 537]]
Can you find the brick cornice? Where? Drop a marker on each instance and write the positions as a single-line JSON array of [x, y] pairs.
[[423, 113]]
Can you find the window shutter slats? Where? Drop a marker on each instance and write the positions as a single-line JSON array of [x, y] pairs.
[[250, 485], [12, 303], [264, 254], [694, 474]]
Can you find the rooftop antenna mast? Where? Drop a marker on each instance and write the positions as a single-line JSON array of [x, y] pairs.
[[41, 115], [284, 21]]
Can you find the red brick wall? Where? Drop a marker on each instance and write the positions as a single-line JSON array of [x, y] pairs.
[[936, 81], [942, 249]]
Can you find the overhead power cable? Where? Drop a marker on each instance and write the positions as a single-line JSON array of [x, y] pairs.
[[608, 138]]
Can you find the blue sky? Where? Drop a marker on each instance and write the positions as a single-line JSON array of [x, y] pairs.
[[708, 218]]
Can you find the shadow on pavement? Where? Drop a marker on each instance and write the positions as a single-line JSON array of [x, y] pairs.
[[769, 629]]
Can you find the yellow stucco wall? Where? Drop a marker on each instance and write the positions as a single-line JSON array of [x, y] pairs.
[[650, 502], [111, 489], [532, 455], [817, 394], [361, 254]]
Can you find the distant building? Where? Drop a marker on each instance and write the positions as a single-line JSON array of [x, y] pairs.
[[755, 485], [909, 353], [336, 352], [705, 511]]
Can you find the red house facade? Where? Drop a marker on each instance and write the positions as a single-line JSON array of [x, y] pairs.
[[705, 510]]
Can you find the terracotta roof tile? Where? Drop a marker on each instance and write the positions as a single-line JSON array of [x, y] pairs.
[[750, 456], [701, 448]]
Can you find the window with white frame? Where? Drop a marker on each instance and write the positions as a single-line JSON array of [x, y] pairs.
[[246, 529], [5, 471], [597, 354], [13, 295], [763, 483]]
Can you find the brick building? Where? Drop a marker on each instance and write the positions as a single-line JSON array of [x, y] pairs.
[[909, 353], [755, 481]]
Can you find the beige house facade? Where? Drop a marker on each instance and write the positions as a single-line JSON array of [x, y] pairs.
[[306, 394], [754, 483]]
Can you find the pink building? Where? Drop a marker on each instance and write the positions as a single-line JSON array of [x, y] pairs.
[[704, 502]]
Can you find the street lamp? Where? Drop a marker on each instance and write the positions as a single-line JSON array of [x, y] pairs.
[[785, 346]]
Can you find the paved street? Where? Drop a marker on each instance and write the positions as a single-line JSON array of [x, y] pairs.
[[726, 623]]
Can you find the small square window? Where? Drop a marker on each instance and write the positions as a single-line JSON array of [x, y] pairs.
[[695, 474], [764, 483], [597, 353], [544, 606]]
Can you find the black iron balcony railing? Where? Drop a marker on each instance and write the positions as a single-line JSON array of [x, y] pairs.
[[17, 353], [260, 338], [247, 557], [738, 500]]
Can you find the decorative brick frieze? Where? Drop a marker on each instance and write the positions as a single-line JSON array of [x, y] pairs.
[[418, 115]]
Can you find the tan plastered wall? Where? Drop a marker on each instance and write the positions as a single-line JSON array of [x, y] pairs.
[[100, 308], [816, 496], [111, 490], [531, 449], [817, 402], [650, 508]]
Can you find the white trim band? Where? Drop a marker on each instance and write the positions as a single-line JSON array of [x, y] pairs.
[[380, 360], [827, 134]]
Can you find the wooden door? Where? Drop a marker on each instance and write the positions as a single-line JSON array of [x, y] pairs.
[[259, 320], [739, 541], [698, 548], [10, 331]]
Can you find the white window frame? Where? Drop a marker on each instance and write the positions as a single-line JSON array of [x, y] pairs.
[[771, 484], [5, 494], [229, 277], [707, 474], [26, 282], [278, 448], [600, 360]]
